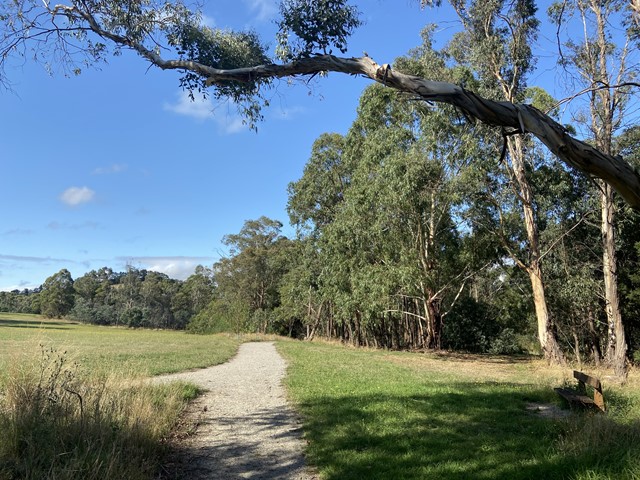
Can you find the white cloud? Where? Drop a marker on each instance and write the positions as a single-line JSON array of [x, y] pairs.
[[21, 286], [288, 114], [115, 168], [199, 108], [202, 109], [176, 267], [263, 9], [208, 21], [231, 124], [74, 196]]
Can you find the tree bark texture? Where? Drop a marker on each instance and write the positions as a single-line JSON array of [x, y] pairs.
[[616, 354]]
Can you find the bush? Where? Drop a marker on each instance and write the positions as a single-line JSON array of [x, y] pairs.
[[505, 343], [210, 320], [469, 327]]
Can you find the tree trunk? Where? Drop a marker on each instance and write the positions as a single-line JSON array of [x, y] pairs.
[[434, 324], [616, 354], [546, 333], [576, 346], [596, 352]]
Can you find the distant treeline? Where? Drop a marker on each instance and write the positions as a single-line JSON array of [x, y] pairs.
[[135, 298]]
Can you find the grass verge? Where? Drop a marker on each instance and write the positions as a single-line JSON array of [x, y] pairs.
[[381, 415]]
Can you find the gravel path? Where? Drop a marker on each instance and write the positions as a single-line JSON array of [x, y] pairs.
[[245, 427]]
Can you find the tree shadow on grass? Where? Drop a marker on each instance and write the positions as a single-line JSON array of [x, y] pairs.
[[37, 325], [465, 431]]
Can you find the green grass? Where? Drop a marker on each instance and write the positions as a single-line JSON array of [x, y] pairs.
[[108, 349], [381, 415]]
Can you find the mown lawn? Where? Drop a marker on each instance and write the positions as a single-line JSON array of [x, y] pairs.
[[108, 349], [382, 415]]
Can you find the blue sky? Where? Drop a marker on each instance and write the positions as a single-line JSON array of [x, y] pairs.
[[116, 167]]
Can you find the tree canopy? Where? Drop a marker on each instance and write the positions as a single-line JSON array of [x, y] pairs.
[[236, 65]]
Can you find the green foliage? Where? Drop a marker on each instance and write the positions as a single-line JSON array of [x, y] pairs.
[[247, 281], [217, 317], [56, 297], [470, 326], [223, 49], [314, 198], [311, 27]]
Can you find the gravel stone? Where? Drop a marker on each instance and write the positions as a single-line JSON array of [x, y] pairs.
[[245, 427]]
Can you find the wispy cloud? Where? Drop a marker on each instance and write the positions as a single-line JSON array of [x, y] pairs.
[[15, 259], [202, 109], [20, 286], [208, 21], [70, 226], [18, 232], [288, 114], [199, 108], [230, 124], [176, 267], [75, 196], [111, 169], [263, 10]]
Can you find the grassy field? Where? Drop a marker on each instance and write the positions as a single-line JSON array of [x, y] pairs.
[[368, 414], [382, 415], [74, 403], [109, 349]]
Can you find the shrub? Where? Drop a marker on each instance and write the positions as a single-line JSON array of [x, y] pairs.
[[505, 343], [469, 327]]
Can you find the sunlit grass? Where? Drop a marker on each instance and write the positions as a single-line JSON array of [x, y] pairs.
[[137, 352], [381, 415]]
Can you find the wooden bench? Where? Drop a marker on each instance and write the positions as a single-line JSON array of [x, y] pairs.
[[579, 397]]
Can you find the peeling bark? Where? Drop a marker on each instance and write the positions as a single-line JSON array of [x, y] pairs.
[[520, 117]]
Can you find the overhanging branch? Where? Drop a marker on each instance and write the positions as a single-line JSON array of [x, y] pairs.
[[525, 118]]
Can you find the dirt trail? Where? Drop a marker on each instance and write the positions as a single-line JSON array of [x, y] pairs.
[[246, 429]]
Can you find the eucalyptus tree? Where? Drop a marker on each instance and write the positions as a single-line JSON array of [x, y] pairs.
[[497, 43], [314, 201], [193, 295], [247, 281], [604, 63], [56, 297], [236, 65], [381, 202]]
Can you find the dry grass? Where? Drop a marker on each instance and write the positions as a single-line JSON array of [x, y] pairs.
[[61, 423]]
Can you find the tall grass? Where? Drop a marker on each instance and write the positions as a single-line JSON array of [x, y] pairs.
[[58, 422]]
